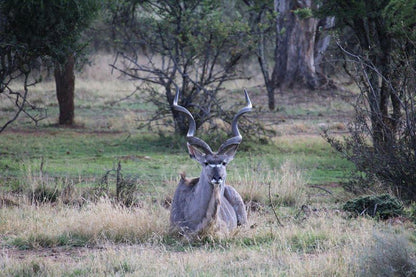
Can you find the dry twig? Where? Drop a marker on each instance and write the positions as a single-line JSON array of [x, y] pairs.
[[272, 206]]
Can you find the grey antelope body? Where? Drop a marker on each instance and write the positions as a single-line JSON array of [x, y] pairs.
[[207, 203]]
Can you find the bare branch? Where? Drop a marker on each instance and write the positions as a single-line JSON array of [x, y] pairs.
[[272, 206]]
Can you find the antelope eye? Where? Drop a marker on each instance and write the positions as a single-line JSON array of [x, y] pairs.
[[206, 163], [224, 163]]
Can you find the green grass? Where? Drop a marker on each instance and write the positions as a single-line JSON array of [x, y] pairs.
[[73, 153], [79, 153]]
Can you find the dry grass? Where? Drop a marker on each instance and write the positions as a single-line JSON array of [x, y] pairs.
[[323, 244], [283, 187], [386, 254], [30, 226], [98, 90], [107, 239], [96, 87]]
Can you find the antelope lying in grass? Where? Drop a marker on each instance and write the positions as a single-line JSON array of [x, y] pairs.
[[207, 204]]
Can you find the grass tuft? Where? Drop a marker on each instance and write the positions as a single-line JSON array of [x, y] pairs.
[[308, 242], [386, 254], [285, 186]]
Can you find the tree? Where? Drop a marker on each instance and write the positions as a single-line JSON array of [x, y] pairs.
[[296, 40], [380, 56], [261, 17], [298, 45], [65, 87], [46, 29], [193, 46], [15, 62]]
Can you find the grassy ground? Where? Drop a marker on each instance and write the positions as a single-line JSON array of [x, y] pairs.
[[82, 230]]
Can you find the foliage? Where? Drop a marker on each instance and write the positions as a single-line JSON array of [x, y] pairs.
[[193, 46], [393, 167], [401, 19], [411, 211], [48, 28], [303, 13], [380, 56], [382, 206], [32, 31]]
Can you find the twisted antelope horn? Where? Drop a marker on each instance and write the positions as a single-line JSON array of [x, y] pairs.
[[237, 138], [195, 141]]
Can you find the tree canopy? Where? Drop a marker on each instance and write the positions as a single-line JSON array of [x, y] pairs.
[[47, 27], [39, 29]]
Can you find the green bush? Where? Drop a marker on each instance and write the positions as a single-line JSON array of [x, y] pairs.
[[381, 206]]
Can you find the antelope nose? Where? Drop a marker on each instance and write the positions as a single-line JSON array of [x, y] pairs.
[[216, 180]]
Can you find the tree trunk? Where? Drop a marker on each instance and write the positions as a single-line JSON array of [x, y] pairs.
[[65, 85], [270, 86], [322, 40], [295, 45], [261, 57]]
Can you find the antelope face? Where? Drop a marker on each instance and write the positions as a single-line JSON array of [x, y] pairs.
[[214, 168], [213, 165]]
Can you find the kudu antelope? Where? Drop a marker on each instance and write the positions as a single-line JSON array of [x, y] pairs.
[[205, 204]]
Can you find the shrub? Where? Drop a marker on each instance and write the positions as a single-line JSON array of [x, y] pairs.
[[381, 206], [44, 194]]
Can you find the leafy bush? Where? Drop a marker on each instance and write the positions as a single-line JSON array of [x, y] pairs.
[[381, 206], [391, 165], [411, 212]]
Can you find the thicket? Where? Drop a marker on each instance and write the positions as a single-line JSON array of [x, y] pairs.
[[378, 41]]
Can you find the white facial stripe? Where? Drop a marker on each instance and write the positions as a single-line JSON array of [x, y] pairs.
[[215, 165], [213, 181]]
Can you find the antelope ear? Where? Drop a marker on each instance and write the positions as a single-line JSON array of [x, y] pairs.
[[196, 154], [229, 151]]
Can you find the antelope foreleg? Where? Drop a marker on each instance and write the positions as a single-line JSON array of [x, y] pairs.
[[237, 203]]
